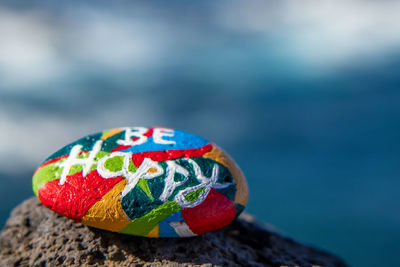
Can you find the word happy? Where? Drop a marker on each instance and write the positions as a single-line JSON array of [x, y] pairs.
[[149, 169]]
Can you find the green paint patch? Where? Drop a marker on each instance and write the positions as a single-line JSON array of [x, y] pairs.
[[191, 179], [52, 171], [179, 177], [74, 169], [137, 203], [156, 186], [206, 165], [131, 167], [143, 225], [239, 209], [45, 174], [111, 142], [229, 191], [101, 154], [78, 168], [194, 195], [114, 164], [145, 187]]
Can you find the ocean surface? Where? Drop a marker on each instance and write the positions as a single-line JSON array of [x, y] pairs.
[[306, 98]]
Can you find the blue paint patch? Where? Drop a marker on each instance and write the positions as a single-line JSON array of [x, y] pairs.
[[183, 140], [167, 230]]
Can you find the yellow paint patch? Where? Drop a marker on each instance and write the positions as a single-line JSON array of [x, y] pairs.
[[110, 133], [242, 189], [155, 232], [107, 213]]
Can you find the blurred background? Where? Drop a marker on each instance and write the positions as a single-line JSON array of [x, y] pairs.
[[305, 95]]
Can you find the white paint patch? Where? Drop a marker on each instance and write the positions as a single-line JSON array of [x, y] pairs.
[[170, 183], [182, 229], [137, 132], [73, 159], [205, 182], [143, 172], [106, 173], [148, 169], [159, 133]]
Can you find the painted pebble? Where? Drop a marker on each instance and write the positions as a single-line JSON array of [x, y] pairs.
[[153, 182]]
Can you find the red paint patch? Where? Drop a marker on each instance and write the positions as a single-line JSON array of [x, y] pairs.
[[149, 132], [75, 197], [138, 158], [214, 213]]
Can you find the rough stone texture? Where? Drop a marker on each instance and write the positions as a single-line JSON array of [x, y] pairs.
[[37, 236]]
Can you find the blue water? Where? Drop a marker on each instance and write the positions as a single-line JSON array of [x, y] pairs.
[[318, 141]]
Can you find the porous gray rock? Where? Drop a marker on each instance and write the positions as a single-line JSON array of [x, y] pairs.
[[37, 236]]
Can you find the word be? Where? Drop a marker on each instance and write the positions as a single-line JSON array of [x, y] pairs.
[[139, 132]]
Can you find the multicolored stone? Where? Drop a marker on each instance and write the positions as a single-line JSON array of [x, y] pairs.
[[153, 182]]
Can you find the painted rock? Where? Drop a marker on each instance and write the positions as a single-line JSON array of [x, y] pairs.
[[153, 182]]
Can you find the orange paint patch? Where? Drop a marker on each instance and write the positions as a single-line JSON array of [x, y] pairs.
[[155, 232], [152, 170], [108, 213], [110, 133], [242, 189]]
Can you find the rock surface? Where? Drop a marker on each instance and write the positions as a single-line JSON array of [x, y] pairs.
[[37, 236]]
